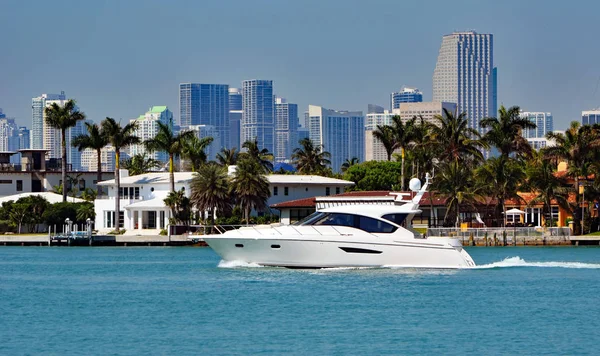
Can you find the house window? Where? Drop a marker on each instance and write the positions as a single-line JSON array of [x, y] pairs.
[[285, 191], [81, 185], [337, 190], [5, 181], [19, 185], [327, 191], [275, 191], [136, 193]]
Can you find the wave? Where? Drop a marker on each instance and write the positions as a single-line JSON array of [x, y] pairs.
[[237, 264], [519, 262]]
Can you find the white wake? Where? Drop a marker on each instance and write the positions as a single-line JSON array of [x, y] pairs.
[[237, 264], [519, 262]]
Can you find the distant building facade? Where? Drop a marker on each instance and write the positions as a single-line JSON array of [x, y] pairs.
[[148, 128], [427, 110], [340, 132], [374, 150], [543, 121], [38, 105], [258, 113], [465, 74], [286, 129], [590, 117], [375, 109], [89, 159], [203, 131], [235, 117], [405, 95], [205, 104]]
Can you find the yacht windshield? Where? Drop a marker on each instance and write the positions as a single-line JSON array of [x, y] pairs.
[[395, 218], [364, 223], [309, 219]]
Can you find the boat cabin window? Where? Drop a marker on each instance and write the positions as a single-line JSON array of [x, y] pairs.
[[395, 218], [309, 219], [357, 221]]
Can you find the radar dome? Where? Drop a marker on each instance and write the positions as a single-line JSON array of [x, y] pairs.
[[414, 184]]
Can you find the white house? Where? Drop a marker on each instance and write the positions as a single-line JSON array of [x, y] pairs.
[[143, 209]]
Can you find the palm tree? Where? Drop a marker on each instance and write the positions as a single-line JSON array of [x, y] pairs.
[[505, 133], [542, 179], [140, 163], [167, 141], [349, 163], [455, 182], [179, 205], [310, 159], [500, 177], [422, 155], [264, 157], [577, 146], [455, 141], [403, 132], [385, 135], [73, 182], [63, 118], [119, 137], [250, 186], [94, 140], [193, 151], [210, 191], [227, 156]]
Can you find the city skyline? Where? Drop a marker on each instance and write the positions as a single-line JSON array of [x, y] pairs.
[[104, 63]]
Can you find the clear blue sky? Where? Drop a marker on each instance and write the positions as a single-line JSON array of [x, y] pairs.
[[117, 58]]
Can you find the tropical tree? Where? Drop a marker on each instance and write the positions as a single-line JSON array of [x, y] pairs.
[[63, 118], [421, 154], [501, 178], [505, 132], [96, 140], [250, 186], [547, 185], [86, 211], [385, 135], [140, 163], [454, 140], [119, 137], [167, 141], [193, 151], [349, 163], [227, 156], [310, 158], [455, 182], [403, 132], [89, 194], [73, 183], [263, 157], [210, 191], [19, 215], [179, 205]]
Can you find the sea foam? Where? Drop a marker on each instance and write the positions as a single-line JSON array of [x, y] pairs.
[[519, 262]]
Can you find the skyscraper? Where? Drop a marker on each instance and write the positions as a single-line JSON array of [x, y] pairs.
[[235, 117], [37, 110], [258, 117], [205, 104], [465, 74], [286, 129], [590, 117], [405, 95], [148, 128], [342, 133], [545, 124]]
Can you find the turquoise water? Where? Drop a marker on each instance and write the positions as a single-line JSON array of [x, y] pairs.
[[178, 301]]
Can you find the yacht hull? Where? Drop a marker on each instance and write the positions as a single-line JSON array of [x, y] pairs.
[[335, 251]]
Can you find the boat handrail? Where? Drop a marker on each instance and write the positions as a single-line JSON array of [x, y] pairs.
[[221, 229]]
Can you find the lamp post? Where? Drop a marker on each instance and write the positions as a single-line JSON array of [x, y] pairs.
[[69, 223]]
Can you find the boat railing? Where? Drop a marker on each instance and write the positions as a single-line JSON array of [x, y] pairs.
[[218, 229]]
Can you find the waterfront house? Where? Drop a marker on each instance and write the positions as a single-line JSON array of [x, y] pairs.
[[142, 207]]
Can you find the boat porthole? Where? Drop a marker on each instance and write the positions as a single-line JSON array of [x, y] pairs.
[[275, 246], [239, 245]]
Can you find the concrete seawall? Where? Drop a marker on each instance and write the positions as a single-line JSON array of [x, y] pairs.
[[99, 240]]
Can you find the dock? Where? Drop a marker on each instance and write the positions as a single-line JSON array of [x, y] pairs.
[[585, 240]]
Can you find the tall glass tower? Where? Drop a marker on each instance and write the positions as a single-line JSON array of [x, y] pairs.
[[406, 95], [205, 104], [235, 117], [286, 129], [258, 116], [465, 74]]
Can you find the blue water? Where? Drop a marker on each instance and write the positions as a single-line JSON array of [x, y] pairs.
[[178, 301]]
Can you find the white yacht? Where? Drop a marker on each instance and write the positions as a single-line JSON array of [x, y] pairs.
[[345, 236]]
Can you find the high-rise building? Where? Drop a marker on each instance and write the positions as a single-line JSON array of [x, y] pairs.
[[258, 117], [427, 110], [590, 117], [24, 142], [148, 128], [286, 129], [235, 117], [465, 74], [340, 132], [38, 122], [2, 116], [405, 95], [205, 104], [374, 150], [9, 134], [89, 159], [543, 121], [203, 131]]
